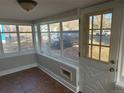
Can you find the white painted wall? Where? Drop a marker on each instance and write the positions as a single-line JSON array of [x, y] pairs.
[[52, 66], [9, 63]]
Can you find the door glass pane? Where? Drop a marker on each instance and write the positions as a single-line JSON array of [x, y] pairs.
[[90, 34], [55, 47], [106, 37], [26, 41], [105, 54], [8, 28], [99, 36], [95, 52], [107, 20], [70, 25], [25, 28], [55, 27], [71, 45], [90, 22], [44, 28], [96, 37], [89, 51], [44, 42], [10, 42], [97, 22]]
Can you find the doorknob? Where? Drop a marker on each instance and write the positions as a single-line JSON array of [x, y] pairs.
[[111, 69]]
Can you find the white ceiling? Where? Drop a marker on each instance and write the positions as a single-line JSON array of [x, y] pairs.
[[9, 9]]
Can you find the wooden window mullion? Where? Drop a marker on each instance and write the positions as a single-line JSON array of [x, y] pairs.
[[92, 36], [100, 36]]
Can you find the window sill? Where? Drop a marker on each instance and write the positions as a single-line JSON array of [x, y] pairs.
[[73, 64]]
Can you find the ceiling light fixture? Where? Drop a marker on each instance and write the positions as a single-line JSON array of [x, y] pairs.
[[27, 4]]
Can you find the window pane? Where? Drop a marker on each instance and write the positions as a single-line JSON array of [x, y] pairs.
[[96, 37], [10, 42], [26, 41], [55, 43], [97, 22], [95, 52], [8, 28], [70, 25], [25, 28], [71, 45], [44, 28], [89, 51], [107, 20], [105, 54], [55, 27], [90, 34], [44, 42], [106, 37], [99, 39], [90, 22]]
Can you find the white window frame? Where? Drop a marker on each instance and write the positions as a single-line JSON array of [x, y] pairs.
[[30, 50], [48, 39], [19, 52], [99, 45], [17, 41], [55, 55], [120, 78], [61, 57]]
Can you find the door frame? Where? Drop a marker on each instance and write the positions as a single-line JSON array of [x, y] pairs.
[[120, 79]]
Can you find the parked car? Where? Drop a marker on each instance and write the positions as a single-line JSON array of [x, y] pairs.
[[105, 37], [67, 41], [104, 32]]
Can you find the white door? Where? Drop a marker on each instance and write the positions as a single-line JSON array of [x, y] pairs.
[[100, 35]]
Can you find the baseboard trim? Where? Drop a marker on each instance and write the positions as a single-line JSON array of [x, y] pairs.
[[59, 79], [17, 69]]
